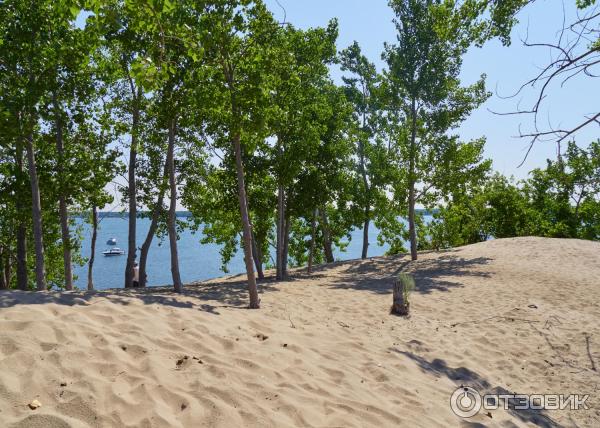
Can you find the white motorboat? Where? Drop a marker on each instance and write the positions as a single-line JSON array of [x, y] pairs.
[[114, 252]]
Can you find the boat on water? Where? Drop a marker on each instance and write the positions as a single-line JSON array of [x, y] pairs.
[[114, 252], [112, 241]]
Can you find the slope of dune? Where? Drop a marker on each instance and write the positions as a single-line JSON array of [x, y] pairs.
[[513, 315]]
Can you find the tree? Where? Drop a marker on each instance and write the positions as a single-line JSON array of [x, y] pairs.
[[165, 73], [323, 191], [33, 39], [239, 44], [152, 183], [8, 220], [126, 46], [15, 189], [296, 117], [424, 89], [560, 201], [68, 93], [363, 90], [566, 194]]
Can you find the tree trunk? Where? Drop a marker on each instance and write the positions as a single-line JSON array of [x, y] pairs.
[[62, 199], [247, 233], [3, 278], [22, 280], [286, 246], [257, 255], [311, 251], [367, 207], [146, 246], [22, 274], [36, 214], [412, 231], [153, 226], [327, 246], [132, 194], [365, 247], [411, 184], [178, 286], [150, 235], [66, 240], [90, 284], [400, 305], [8, 270], [280, 231]]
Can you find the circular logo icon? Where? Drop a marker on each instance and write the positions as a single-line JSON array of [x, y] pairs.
[[465, 402]]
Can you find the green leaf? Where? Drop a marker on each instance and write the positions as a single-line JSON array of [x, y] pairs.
[[74, 11]]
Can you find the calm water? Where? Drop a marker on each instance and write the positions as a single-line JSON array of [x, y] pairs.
[[196, 261]]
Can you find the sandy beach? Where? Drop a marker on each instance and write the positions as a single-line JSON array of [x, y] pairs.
[[514, 315]]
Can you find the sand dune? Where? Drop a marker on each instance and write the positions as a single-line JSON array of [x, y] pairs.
[[514, 315]]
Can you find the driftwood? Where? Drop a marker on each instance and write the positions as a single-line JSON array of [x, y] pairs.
[[402, 287]]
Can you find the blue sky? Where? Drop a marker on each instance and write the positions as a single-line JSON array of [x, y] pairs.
[[370, 23]]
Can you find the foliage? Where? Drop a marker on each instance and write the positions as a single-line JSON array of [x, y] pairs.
[[408, 282], [560, 201], [425, 101]]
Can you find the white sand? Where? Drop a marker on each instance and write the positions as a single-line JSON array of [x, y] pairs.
[[323, 350]]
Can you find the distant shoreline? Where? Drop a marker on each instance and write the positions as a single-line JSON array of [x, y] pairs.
[[182, 214], [125, 214]]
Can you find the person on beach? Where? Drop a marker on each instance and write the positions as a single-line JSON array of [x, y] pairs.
[[136, 275]]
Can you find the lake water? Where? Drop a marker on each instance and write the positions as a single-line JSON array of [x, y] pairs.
[[196, 261]]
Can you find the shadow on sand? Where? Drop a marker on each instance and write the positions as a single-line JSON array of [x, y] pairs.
[[378, 274], [467, 377], [232, 294], [374, 275]]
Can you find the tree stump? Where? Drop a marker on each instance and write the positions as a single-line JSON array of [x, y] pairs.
[[402, 287]]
